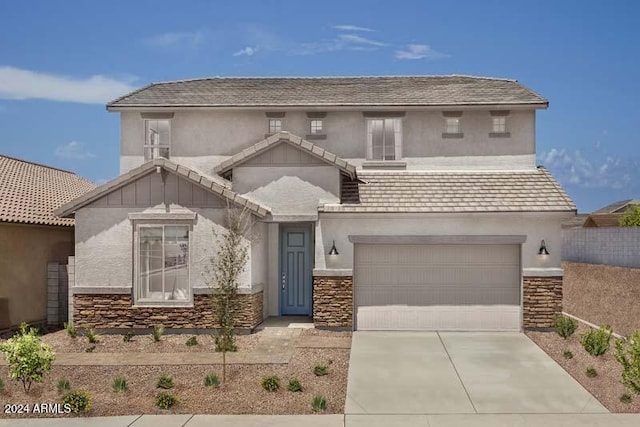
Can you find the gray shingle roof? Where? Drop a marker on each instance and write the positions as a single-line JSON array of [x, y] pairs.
[[486, 191], [450, 90], [29, 192], [296, 141]]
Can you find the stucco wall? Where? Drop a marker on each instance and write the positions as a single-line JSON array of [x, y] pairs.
[[25, 251], [202, 139], [536, 226]]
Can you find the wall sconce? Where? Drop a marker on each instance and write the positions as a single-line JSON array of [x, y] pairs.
[[333, 250], [543, 249]]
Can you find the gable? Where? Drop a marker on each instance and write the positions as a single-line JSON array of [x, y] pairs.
[[283, 154]]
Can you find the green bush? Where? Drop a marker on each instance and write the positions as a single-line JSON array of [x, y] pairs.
[[212, 380], [192, 341], [628, 355], [271, 383], [568, 354], [27, 356], [626, 398], [166, 400], [321, 370], [631, 217], [596, 341], [63, 385], [318, 403], [71, 330], [165, 381], [128, 336], [79, 401], [157, 332], [120, 384], [564, 326], [591, 372], [294, 385], [92, 336]]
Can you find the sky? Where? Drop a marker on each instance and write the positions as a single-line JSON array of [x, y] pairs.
[[62, 61]]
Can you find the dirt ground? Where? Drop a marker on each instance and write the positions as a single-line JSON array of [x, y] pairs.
[[606, 387]]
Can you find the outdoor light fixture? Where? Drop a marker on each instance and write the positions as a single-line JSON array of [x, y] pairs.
[[543, 249], [333, 250]]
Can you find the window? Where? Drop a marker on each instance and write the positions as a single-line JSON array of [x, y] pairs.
[[499, 124], [452, 125], [275, 125], [384, 139], [157, 139], [316, 127], [163, 263]]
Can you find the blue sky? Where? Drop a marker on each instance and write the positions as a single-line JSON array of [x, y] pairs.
[[61, 61]]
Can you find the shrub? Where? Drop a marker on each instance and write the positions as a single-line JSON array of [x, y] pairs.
[[591, 372], [628, 355], [79, 401], [271, 383], [626, 398], [27, 356], [567, 354], [294, 385], [90, 349], [166, 400], [318, 403], [63, 385], [631, 217], [212, 380], [92, 336], [192, 341], [71, 330], [120, 384], [564, 326], [128, 336], [321, 370], [165, 381], [596, 341], [157, 332]]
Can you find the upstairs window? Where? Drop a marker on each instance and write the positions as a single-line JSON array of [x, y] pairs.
[[157, 140], [316, 127], [452, 125], [499, 124], [384, 139], [275, 125]]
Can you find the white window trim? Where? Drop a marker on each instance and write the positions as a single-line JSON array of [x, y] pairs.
[[397, 136], [446, 125], [493, 124], [271, 119], [148, 302], [145, 145], [321, 127]]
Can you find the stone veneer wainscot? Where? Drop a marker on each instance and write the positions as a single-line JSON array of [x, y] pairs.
[[333, 302], [541, 301]]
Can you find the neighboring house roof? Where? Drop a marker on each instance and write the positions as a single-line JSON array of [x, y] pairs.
[[618, 207], [29, 192], [293, 140], [218, 186], [472, 191], [602, 220], [575, 222], [451, 90]]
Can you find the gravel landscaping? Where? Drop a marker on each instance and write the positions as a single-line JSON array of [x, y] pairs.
[[606, 386]]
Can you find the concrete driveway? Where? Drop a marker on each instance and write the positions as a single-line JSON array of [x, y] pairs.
[[458, 373]]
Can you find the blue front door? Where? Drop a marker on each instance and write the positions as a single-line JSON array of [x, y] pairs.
[[295, 270]]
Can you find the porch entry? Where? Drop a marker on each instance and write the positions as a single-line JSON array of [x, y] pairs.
[[295, 269]]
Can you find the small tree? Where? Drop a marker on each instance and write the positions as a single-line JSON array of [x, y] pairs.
[[28, 357], [224, 272], [631, 218]]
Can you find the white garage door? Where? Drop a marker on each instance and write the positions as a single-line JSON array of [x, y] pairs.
[[437, 287]]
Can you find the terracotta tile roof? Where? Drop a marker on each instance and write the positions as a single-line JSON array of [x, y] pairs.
[[216, 185], [296, 141], [452, 90], [30, 192], [482, 191]]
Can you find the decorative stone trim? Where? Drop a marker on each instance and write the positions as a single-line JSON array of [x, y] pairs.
[[333, 302], [109, 311], [541, 300]]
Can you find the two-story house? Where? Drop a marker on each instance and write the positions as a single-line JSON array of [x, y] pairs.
[[379, 203]]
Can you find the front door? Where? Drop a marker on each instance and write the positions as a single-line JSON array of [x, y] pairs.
[[295, 270]]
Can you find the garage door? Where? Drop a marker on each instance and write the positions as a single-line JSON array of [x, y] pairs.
[[437, 287]]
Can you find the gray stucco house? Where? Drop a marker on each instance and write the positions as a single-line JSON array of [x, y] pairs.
[[380, 203]]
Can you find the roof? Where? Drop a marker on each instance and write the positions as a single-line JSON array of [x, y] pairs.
[[618, 207], [468, 191], [602, 220], [450, 90], [29, 192], [576, 221], [291, 139], [216, 185]]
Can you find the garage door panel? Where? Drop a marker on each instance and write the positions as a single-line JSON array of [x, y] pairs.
[[436, 295], [383, 275]]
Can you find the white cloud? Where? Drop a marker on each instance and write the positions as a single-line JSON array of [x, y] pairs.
[[349, 27], [340, 42], [354, 39], [248, 51], [177, 39], [602, 172], [419, 51], [19, 84], [74, 150]]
